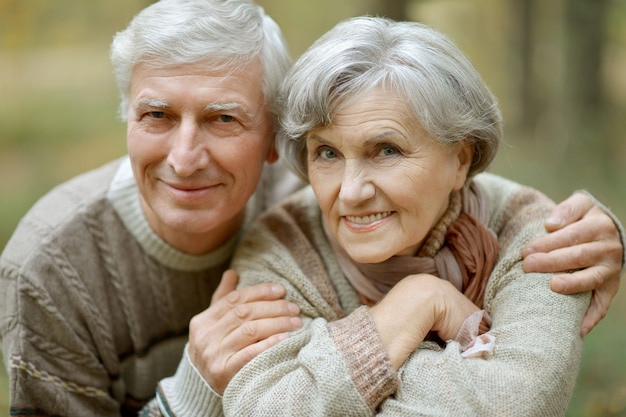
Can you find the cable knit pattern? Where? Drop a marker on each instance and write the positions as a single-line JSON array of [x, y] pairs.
[[319, 371], [90, 321]]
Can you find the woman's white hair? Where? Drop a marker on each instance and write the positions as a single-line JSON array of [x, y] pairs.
[[227, 34], [445, 92]]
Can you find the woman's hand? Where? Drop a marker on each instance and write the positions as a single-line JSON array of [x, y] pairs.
[[414, 306], [583, 238]]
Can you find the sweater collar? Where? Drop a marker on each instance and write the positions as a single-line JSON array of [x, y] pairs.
[[124, 196]]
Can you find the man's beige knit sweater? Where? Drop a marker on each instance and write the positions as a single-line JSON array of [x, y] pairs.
[[95, 307]]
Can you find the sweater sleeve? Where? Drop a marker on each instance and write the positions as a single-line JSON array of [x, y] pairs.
[[52, 367], [303, 376], [537, 353], [317, 371], [186, 393]]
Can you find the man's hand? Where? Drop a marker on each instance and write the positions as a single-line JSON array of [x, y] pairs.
[[583, 238], [238, 326]]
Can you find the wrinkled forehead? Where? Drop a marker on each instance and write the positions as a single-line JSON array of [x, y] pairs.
[[376, 100]]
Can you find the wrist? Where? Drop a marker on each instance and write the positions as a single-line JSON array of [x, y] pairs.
[[400, 329]]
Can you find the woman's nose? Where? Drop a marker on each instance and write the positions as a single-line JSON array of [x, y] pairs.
[[356, 186]]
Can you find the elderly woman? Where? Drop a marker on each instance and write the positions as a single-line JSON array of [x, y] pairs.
[[406, 263]]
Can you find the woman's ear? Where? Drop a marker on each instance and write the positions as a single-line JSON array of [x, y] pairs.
[[465, 155], [272, 154]]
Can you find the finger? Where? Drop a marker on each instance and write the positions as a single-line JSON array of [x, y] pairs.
[[594, 278], [242, 314], [599, 306], [242, 357], [559, 260], [263, 309], [569, 211], [227, 284], [252, 332], [212, 340], [574, 234], [592, 317], [219, 374], [259, 292]]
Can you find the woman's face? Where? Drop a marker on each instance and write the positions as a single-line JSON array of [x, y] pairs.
[[381, 183]]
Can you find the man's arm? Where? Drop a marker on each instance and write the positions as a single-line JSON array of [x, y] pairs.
[[585, 237], [237, 326]]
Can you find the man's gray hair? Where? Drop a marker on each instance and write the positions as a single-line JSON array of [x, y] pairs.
[[445, 92], [227, 34]]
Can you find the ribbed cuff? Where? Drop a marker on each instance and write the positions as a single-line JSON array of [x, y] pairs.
[[187, 393], [362, 348]]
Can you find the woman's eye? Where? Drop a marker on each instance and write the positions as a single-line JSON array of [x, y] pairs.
[[388, 150], [327, 153], [225, 118]]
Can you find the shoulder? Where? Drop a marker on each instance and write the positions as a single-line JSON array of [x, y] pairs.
[[299, 210], [53, 216], [511, 202], [277, 182]]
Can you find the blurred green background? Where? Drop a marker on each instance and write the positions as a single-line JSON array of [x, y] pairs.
[[557, 66]]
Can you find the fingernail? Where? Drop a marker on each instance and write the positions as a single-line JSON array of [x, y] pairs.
[[554, 221], [293, 308], [584, 331], [529, 264], [557, 284], [277, 289], [296, 321]]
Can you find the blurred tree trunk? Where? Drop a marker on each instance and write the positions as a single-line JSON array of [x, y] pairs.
[[522, 40], [586, 25], [585, 102]]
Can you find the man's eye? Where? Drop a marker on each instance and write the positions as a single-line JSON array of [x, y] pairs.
[[157, 114], [225, 118]]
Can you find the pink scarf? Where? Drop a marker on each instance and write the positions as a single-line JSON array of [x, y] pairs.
[[460, 248]]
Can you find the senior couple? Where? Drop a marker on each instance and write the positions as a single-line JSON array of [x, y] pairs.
[[394, 284]]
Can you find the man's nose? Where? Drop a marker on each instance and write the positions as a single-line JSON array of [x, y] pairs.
[[189, 149]]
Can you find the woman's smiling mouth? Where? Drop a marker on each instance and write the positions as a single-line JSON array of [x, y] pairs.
[[369, 218]]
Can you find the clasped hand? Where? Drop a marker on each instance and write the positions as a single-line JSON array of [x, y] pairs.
[[413, 307], [238, 326]]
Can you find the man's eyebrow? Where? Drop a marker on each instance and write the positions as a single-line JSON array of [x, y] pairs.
[[226, 106], [151, 102]]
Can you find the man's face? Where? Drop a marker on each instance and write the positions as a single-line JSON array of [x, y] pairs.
[[197, 140]]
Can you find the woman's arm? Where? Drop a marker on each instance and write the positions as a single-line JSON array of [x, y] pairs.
[[415, 306], [532, 370], [538, 348], [317, 371]]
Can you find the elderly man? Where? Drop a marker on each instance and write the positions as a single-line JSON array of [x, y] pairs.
[[103, 275]]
